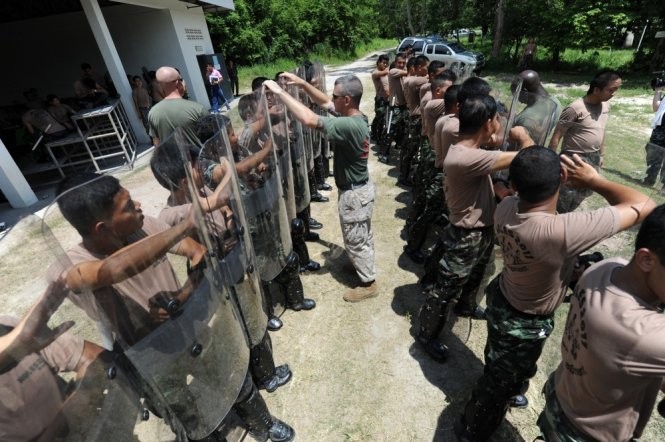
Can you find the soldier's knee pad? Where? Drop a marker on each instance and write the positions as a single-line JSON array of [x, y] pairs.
[[297, 227]]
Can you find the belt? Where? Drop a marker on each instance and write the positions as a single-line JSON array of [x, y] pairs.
[[352, 186]]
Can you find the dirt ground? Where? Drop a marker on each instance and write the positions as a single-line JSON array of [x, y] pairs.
[[357, 373]]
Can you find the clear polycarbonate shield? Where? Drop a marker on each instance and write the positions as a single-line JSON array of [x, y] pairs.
[[507, 110], [258, 172], [537, 114], [462, 70], [318, 80], [281, 137], [298, 158], [223, 230], [308, 133], [55, 385], [173, 320]]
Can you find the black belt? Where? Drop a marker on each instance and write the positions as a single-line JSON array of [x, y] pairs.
[[352, 186]]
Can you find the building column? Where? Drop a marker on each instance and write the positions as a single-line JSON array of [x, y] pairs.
[[13, 183], [114, 65]]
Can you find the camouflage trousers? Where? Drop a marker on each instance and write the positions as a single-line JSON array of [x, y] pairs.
[[397, 132], [409, 149], [355, 216], [553, 423], [515, 341], [569, 198], [379, 122], [460, 270], [435, 211], [421, 178]]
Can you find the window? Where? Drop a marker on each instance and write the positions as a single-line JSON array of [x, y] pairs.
[[442, 50]]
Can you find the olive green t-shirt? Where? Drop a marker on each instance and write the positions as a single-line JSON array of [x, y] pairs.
[[168, 114], [349, 137]]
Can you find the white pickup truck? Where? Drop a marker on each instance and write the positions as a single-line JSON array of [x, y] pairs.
[[454, 55]]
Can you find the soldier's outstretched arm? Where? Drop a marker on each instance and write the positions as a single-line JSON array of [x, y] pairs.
[[319, 97], [128, 261], [304, 114], [633, 206]]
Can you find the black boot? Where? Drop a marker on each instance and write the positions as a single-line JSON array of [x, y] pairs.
[[274, 323], [252, 409], [291, 286], [261, 362]]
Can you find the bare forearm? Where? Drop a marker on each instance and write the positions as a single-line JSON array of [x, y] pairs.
[[503, 161], [126, 262], [301, 112], [319, 97], [633, 205]]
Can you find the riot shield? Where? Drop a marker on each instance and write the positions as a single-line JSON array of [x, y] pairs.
[[537, 114], [184, 341], [280, 133], [224, 229], [260, 186], [55, 385], [318, 74], [298, 158], [308, 133], [462, 70]]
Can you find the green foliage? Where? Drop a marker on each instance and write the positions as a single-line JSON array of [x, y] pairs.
[[266, 30]]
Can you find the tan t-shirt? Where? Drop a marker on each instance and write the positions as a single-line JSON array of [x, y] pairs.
[[468, 186], [539, 251], [432, 110], [412, 93], [395, 78], [216, 222], [613, 357], [159, 277], [380, 84], [425, 90], [31, 396], [584, 126], [446, 132]]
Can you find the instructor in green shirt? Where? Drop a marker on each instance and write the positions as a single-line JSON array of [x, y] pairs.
[[348, 134]]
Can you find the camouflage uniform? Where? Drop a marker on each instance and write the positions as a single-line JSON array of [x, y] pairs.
[[569, 198], [515, 341], [411, 145], [421, 178], [434, 211], [553, 423], [379, 122], [398, 131], [464, 258]]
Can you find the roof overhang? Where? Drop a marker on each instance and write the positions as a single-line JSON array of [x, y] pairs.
[[213, 5]]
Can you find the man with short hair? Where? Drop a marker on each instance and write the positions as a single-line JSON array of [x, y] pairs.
[[380, 80], [581, 130], [469, 238], [431, 207], [122, 261], [411, 85], [398, 109], [173, 110], [349, 136], [540, 105], [612, 355], [539, 249]]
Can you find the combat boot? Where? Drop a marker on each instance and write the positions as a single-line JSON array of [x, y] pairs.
[[363, 291]]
